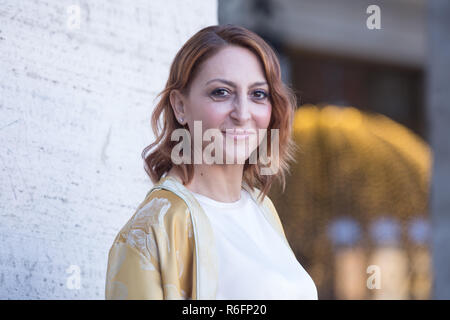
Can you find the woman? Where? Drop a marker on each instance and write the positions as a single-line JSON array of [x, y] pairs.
[[207, 229]]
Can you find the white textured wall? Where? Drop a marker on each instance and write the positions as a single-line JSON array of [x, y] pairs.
[[75, 107]]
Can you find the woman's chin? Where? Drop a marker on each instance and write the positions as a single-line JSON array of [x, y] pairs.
[[238, 157]]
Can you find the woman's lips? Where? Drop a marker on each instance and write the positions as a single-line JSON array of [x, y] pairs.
[[239, 134]]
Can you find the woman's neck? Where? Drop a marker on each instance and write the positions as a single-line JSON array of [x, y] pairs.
[[219, 182]]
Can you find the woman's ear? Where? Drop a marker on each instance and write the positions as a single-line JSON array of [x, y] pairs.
[[177, 103]]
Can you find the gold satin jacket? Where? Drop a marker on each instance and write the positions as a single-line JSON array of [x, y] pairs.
[[166, 250]]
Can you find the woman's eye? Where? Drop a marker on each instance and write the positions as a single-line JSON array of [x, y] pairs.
[[219, 92], [261, 94]]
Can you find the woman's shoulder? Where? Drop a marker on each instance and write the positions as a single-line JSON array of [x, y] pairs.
[[160, 209]]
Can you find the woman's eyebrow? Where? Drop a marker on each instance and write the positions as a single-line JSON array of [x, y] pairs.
[[232, 84]]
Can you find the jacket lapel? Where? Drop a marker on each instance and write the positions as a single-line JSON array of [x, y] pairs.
[[206, 253]]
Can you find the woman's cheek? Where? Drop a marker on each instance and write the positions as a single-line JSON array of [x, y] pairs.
[[263, 118], [208, 114], [215, 116], [213, 119]]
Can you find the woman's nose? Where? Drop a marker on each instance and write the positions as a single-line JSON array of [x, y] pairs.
[[241, 109]]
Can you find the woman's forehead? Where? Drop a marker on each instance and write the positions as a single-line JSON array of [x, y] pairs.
[[232, 56], [231, 76]]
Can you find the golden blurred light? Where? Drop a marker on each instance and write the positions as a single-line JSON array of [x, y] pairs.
[[354, 164], [306, 119]]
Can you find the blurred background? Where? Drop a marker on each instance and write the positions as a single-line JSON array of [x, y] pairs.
[[356, 207], [366, 204]]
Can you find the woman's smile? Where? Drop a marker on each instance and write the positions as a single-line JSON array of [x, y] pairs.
[[238, 134]]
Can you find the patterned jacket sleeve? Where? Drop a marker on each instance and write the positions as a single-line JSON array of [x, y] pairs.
[[131, 275], [153, 255]]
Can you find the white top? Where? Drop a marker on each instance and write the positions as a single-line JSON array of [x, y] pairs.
[[253, 260]]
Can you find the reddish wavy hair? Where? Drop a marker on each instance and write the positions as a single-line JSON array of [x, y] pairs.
[[204, 44]]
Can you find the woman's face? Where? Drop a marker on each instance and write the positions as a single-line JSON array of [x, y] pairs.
[[229, 92]]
